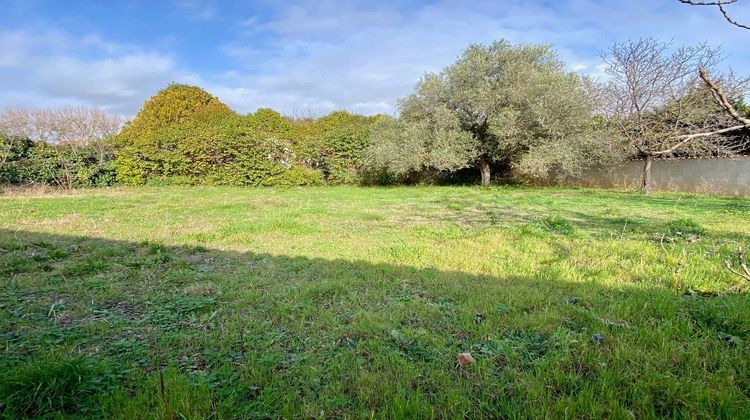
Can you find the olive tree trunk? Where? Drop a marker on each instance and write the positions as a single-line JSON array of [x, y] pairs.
[[484, 169]]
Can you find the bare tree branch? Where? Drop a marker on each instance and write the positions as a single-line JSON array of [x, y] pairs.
[[687, 137], [743, 265], [707, 3], [721, 98], [720, 4]]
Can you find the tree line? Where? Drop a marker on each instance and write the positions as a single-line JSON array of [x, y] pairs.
[[500, 111]]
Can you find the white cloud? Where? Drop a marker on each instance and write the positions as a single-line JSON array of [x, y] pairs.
[[323, 56], [330, 55], [55, 68]]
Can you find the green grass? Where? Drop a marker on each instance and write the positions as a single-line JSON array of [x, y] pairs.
[[354, 302]]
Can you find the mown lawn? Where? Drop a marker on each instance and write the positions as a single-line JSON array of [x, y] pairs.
[[322, 302]]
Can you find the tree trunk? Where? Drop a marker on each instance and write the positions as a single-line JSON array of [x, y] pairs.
[[646, 186], [484, 168]]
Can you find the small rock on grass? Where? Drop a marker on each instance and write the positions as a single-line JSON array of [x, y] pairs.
[[597, 338], [465, 359]]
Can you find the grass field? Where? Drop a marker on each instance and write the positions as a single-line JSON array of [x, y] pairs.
[[323, 302]]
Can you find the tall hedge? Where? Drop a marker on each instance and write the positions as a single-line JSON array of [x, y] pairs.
[[207, 149], [335, 144], [172, 105], [183, 134]]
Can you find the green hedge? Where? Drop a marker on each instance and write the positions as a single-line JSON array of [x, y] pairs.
[[77, 166], [186, 136], [212, 150]]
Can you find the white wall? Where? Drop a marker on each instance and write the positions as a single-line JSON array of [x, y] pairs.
[[714, 176]]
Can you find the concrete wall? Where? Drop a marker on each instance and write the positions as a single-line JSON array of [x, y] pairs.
[[714, 176]]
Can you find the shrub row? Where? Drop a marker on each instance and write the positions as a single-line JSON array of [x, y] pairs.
[[68, 166], [183, 135]]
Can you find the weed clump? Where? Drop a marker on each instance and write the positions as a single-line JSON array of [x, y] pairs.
[[685, 227], [559, 225], [50, 385]]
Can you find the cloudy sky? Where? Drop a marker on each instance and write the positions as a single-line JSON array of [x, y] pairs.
[[308, 57]]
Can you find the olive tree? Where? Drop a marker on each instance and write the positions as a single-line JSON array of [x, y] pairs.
[[498, 102]]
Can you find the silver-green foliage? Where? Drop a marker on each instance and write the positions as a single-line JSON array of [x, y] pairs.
[[498, 102]]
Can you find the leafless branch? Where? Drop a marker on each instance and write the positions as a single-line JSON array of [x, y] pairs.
[[707, 3], [730, 19], [655, 97], [743, 265], [720, 4], [721, 98]]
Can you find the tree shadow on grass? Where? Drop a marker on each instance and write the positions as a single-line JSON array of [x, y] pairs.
[[467, 212], [98, 327], [651, 227]]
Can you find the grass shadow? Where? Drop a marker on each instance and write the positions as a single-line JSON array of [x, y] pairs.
[[97, 327]]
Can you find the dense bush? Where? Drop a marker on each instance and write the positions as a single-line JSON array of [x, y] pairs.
[[171, 106], [336, 144], [11, 151], [268, 122], [185, 136], [218, 149], [66, 165]]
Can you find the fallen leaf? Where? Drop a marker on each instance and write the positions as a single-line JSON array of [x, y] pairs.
[[464, 359]]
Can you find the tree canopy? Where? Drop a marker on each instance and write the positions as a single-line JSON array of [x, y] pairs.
[[498, 102]]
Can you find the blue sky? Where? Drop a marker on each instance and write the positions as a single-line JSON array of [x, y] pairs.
[[308, 57]]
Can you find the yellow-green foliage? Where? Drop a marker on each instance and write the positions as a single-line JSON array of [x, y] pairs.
[[172, 105], [296, 176], [185, 135], [336, 145], [271, 123], [333, 144], [208, 149]]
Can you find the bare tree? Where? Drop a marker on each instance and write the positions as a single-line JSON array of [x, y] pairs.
[[79, 124], [662, 108], [721, 4], [70, 127]]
